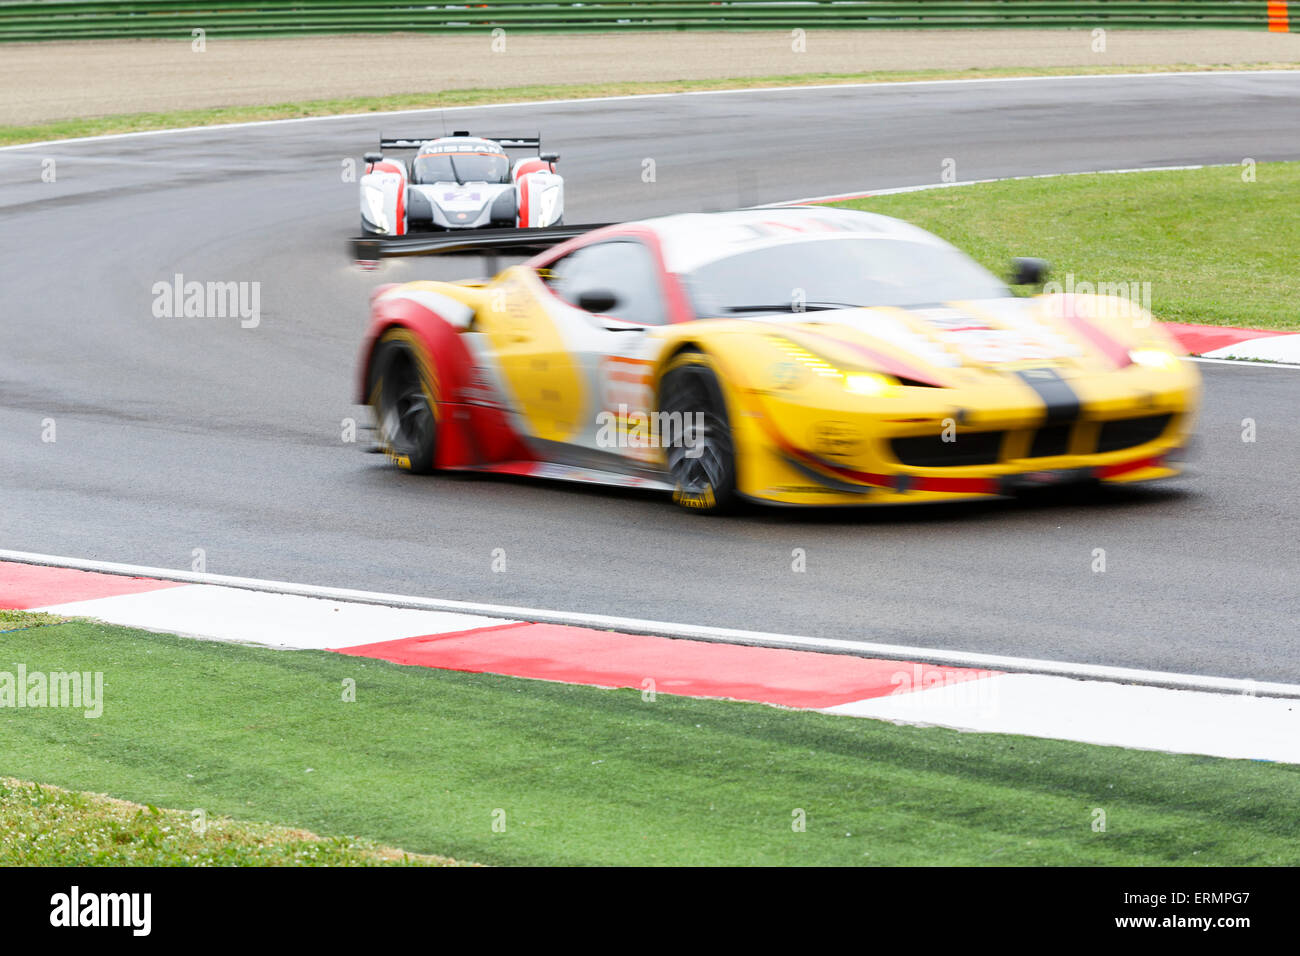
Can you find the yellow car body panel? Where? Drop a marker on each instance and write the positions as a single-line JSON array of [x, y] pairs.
[[810, 442], [532, 356]]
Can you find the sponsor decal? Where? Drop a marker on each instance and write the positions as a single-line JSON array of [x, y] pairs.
[[787, 375], [987, 344], [837, 439], [704, 499], [626, 382]]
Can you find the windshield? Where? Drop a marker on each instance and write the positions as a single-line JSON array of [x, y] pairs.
[[834, 273], [472, 167]]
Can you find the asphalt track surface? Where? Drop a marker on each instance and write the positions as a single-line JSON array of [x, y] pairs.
[[179, 434]]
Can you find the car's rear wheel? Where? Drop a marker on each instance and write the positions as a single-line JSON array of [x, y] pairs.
[[702, 458], [402, 395]]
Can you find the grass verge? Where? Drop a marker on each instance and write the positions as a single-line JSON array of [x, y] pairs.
[[17, 620], [508, 771], [41, 825], [1217, 249], [140, 122]]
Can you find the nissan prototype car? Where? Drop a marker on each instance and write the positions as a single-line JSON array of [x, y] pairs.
[[800, 356], [460, 182]]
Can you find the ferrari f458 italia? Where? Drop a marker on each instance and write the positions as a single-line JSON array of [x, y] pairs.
[[800, 356]]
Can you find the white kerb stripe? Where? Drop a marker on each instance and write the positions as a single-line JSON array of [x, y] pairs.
[[1273, 348], [1100, 712], [271, 620]]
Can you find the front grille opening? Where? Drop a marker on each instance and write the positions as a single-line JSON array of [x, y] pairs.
[[931, 451], [1050, 441], [915, 383], [1131, 432]]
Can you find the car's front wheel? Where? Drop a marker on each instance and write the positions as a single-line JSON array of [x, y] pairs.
[[402, 396], [701, 457]]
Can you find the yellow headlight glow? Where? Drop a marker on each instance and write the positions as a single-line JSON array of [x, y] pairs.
[[808, 359], [866, 383], [1154, 358]]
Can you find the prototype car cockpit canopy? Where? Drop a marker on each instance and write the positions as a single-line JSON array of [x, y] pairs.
[[460, 159]]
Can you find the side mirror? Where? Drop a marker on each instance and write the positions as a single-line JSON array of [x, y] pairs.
[[373, 157], [597, 300], [1027, 271], [550, 157]]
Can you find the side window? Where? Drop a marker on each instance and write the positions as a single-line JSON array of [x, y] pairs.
[[621, 266]]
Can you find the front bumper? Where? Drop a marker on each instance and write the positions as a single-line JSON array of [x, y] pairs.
[[867, 459], [804, 480]]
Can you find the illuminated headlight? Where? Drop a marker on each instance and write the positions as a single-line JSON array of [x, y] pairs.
[[1154, 358], [374, 201], [866, 383], [785, 374], [814, 363]]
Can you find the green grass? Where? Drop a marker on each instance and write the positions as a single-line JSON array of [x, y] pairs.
[[41, 825], [17, 620], [428, 760], [138, 122], [1216, 250]]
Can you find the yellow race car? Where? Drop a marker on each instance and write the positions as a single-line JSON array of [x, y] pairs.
[[800, 356]]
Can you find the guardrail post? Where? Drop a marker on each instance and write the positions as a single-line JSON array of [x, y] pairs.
[[1279, 21]]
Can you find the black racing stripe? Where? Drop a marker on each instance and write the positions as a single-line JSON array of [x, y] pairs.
[[1061, 401]]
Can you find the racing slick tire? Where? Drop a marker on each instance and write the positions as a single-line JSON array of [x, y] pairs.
[[402, 397], [702, 462]]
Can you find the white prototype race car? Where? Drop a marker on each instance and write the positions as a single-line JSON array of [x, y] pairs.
[[460, 182]]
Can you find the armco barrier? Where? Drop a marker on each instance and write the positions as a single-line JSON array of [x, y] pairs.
[[96, 19]]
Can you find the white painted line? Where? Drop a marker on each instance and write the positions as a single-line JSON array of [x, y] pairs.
[[998, 662], [896, 190], [881, 84], [1097, 712], [1219, 361], [278, 620]]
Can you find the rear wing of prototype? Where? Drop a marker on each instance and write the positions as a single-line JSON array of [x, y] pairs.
[[505, 142], [488, 242]]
